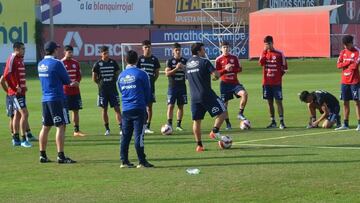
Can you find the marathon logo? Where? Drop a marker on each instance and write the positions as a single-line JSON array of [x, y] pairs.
[[187, 6], [45, 7]]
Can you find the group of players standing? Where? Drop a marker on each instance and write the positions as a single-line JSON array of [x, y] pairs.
[[59, 83]]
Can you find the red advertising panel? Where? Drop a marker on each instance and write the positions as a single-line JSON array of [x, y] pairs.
[[297, 32], [86, 41]]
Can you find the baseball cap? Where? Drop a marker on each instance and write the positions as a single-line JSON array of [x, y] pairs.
[[51, 46]]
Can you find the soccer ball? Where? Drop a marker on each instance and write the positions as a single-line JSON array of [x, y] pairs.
[[166, 129], [245, 125], [225, 142]]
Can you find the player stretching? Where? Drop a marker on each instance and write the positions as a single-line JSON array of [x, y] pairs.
[[175, 71], [228, 66], [349, 63], [274, 67], [72, 94], [326, 103], [14, 75], [203, 98], [105, 72], [150, 64]]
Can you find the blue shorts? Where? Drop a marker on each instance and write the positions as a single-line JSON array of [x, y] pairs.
[[215, 106], [177, 95], [333, 114], [350, 92], [272, 91], [54, 113], [9, 106], [19, 102], [105, 98], [73, 102], [228, 91]]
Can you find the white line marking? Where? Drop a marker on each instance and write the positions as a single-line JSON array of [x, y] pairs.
[[291, 136], [298, 146]]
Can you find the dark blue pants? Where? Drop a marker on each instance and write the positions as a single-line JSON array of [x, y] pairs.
[[133, 122]]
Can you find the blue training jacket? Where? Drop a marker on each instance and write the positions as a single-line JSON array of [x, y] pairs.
[[53, 76], [134, 86]]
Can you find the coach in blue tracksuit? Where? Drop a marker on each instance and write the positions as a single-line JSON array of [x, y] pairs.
[[134, 86]]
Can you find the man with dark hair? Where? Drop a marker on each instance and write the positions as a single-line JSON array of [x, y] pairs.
[[348, 61], [15, 78], [135, 89], [203, 98], [150, 64], [175, 71], [228, 66], [105, 72], [72, 94], [53, 76], [274, 67], [326, 103]]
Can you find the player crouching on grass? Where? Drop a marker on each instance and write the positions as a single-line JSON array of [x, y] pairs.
[[326, 103], [348, 61], [72, 94], [203, 97], [228, 66], [175, 71]]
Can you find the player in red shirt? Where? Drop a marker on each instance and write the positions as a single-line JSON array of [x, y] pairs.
[[72, 93], [274, 67], [228, 66], [14, 75], [349, 63]]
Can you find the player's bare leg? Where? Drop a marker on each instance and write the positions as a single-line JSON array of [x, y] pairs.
[[243, 101], [346, 113], [60, 138], [197, 135], [280, 109], [214, 134], [170, 114], [227, 120], [179, 116], [105, 118], [43, 140], [148, 122], [76, 121], [272, 113], [118, 117], [24, 115]]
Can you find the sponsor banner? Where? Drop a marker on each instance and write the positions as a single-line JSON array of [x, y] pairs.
[[338, 31], [188, 12], [346, 14], [89, 12], [184, 35], [15, 27], [87, 41]]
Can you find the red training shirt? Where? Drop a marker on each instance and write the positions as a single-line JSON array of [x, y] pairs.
[[228, 76], [14, 74], [274, 66], [73, 69], [348, 61]]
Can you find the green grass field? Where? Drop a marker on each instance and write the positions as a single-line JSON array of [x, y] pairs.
[[291, 165]]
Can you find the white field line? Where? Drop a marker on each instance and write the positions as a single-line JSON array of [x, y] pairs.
[[298, 146], [291, 136]]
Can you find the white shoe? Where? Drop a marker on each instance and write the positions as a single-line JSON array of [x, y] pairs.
[[343, 128], [148, 131], [107, 133], [358, 128], [120, 132]]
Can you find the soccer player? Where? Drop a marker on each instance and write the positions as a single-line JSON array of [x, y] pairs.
[[72, 94], [53, 76], [135, 89], [175, 71], [150, 64], [228, 66], [348, 61], [203, 98], [15, 77], [327, 104], [9, 108], [274, 67], [105, 72]]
